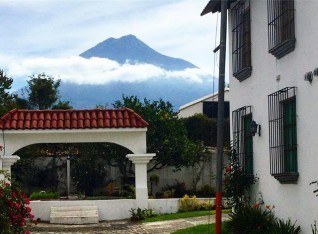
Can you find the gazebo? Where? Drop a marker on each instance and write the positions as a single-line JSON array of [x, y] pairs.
[[20, 128]]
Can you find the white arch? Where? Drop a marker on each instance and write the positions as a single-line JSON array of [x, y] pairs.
[[133, 139]]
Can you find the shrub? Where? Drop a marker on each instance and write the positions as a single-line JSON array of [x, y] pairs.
[[154, 178], [129, 191], [44, 195], [188, 203], [176, 190], [141, 214], [207, 191], [14, 212], [191, 203], [251, 219], [208, 205], [283, 227], [257, 219]]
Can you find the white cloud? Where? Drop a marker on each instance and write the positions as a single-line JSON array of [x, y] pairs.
[[79, 70], [69, 27], [47, 29]]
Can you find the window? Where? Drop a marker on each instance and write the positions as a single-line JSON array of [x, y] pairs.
[[210, 109], [242, 138], [281, 27], [241, 40], [283, 135]]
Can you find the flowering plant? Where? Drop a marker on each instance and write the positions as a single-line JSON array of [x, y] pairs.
[[15, 216], [236, 182]]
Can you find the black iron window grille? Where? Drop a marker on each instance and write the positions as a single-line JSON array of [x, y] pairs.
[[242, 138], [283, 135], [281, 27], [241, 40]]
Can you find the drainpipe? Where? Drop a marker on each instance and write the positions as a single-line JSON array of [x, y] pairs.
[[220, 118], [68, 175]]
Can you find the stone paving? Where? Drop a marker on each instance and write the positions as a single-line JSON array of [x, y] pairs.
[[124, 226]]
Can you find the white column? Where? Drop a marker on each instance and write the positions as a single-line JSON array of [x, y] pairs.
[[1, 175], [7, 162], [141, 161]]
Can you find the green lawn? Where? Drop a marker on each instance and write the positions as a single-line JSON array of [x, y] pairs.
[[200, 229], [180, 215]]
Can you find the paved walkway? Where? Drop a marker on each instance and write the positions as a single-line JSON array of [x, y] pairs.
[[124, 226]]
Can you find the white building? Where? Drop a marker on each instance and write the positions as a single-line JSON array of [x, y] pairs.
[[273, 51], [207, 105]]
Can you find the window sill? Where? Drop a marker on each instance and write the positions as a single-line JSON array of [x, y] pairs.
[[287, 178], [243, 73], [283, 48]]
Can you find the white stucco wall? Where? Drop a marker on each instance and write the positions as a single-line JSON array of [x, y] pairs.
[[111, 209], [296, 201], [191, 110], [196, 106], [132, 139], [107, 209]]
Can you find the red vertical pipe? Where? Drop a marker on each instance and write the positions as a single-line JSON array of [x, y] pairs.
[[220, 119], [218, 212]]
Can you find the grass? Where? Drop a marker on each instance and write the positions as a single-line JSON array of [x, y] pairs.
[[44, 195], [180, 215], [200, 229]]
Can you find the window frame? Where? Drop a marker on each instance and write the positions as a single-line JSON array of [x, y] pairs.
[[281, 27], [283, 135], [241, 40], [241, 133]]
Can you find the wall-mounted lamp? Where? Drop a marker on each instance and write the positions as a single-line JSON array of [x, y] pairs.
[[254, 128], [309, 76]]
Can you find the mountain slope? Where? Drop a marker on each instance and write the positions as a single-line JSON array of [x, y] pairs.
[[177, 89], [132, 50], [177, 92]]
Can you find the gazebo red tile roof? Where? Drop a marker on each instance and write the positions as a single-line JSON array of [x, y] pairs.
[[71, 119]]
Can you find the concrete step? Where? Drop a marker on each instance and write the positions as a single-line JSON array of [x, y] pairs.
[[72, 208], [74, 215]]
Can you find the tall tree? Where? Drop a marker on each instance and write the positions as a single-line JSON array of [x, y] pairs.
[[7, 101], [64, 105], [43, 91], [201, 128], [166, 135]]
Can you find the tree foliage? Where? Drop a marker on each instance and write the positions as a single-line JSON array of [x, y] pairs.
[[166, 135], [62, 105], [7, 101], [43, 91], [200, 128]]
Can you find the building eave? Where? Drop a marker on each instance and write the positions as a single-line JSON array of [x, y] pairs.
[[215, 6], [201, 99]]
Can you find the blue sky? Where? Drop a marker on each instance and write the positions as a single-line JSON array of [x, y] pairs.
[[48, 35]]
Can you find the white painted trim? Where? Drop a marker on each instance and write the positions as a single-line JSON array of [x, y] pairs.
[[213, 95], [84, 130]]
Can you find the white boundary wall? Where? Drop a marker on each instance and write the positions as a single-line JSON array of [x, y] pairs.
[[109, 209]]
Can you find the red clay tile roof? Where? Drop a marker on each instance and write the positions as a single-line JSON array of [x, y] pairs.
[[71, 119]]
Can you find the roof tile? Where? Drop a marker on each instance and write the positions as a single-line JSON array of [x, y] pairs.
[[40, 124], [20, 124], [41, 116], [14, 123], [71, 119]]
